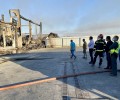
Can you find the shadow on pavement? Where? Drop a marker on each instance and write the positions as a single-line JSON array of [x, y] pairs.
[[52, 64]]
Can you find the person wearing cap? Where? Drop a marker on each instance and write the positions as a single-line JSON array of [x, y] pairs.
[[99, 48], [109, 43], [72, 49], [91, 47], [114, 50]]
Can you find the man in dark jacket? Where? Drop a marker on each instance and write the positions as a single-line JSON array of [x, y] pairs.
[[114, 50], [109, 43], [99, 48]]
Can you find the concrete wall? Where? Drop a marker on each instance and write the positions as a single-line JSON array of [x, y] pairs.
[[55, 42], [65, 41], [62, 42]]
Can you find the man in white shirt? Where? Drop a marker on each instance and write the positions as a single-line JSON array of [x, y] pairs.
[[91, 47]]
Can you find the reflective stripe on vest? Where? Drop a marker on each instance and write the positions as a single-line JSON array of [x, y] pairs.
[[115, 50], [100, 50], [119, 48]]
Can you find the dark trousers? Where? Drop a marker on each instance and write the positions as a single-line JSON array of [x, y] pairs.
[[114, 63], [100, 54], [91, 54], [119, 55], [72, 53], [108, 60], [84, 53]]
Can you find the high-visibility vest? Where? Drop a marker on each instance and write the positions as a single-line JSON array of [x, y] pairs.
[[119, 48], [115, 50]]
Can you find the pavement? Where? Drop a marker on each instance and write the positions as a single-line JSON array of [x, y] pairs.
[[51, 63]]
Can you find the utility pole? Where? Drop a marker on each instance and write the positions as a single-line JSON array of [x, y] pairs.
[[36, 29], [30, 31], [4, 38], [40, 30], [16, 37], [2, 17], [3, 32]]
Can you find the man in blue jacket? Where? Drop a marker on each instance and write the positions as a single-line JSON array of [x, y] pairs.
[[72, 49]]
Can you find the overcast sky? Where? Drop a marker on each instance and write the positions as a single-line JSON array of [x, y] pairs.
[[69, 17]]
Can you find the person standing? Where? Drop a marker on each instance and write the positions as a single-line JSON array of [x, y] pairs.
[[84, 49], [72, 49], [99, 48], [91, 47], [114, 50], [109, 43]]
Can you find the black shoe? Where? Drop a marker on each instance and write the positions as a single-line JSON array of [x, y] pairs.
[[83, 57], [110, 68], [99, 66], [106, 68], [90, 62]]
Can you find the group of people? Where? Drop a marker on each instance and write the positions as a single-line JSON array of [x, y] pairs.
[[110, 48]]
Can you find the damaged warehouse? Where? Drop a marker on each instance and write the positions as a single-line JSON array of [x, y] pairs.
[[10, 32]]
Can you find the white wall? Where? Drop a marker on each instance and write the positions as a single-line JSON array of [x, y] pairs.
[[65, 41], [55, 42]]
